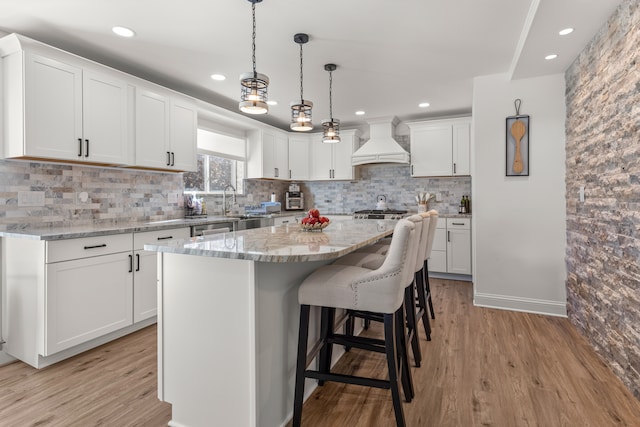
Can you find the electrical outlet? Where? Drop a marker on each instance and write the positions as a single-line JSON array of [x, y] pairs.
[[438, 197], [82, 197], [249, 198], [30, 198]]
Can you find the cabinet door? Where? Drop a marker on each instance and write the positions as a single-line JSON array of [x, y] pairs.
[[145, 285], [184, 125], [299, 158], [461, 149], [342, 152], [53, 109], [282, 157], [320, 161], [85, 299], [152, 130], [431, 151], [459, 251], [438, 259], [105, 119], [269, 164]]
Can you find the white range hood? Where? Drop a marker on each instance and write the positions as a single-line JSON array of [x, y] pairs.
[[381, 147]]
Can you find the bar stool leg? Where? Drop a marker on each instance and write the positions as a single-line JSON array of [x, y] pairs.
[[390, 349], [409, 303], [327, 322], [303, 336], [422, 303], [402, 355], [427, 287]]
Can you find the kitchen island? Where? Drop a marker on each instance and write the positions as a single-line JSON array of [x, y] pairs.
[[228, 318]]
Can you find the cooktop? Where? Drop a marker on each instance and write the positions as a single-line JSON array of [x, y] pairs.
[[381, 211]]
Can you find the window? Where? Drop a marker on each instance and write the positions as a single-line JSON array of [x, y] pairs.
[[221, 161]]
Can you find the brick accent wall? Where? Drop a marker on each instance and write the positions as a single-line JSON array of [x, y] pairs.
[[603, 155]]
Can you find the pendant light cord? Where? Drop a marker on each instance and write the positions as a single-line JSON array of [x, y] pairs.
[[330, 98], [301, 93], [253, 40]]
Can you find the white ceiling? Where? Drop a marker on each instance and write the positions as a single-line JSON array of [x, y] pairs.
[[391, 55]]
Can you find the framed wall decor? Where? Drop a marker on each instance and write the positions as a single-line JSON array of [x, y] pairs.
[[517, 144]]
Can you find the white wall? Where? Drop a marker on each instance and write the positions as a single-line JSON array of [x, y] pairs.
[[519, 231]]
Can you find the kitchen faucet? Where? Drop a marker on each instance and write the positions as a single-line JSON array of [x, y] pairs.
[[225, 209]]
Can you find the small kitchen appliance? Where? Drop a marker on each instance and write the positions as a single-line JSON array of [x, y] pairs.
[[379, 214], [294, 201]]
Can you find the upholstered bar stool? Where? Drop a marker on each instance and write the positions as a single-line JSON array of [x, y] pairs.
[[374, 260], [348, 287], [425, 271]]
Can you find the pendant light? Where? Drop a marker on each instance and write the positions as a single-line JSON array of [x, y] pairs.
[[253, 85], [331, 127], [301, 112]]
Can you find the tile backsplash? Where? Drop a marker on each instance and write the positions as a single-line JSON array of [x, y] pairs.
[[113, 195]]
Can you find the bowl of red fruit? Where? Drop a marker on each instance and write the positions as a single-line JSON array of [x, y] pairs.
[[314, 221]]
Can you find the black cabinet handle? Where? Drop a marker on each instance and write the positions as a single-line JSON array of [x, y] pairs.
[[411, 169], [137, 262], [289, 173], [79, 147], [130, 263], [104, 245], [457, 223], [168, 158], [448, 236], [87, 144], [454, 168], [173, 158], [165, 238]]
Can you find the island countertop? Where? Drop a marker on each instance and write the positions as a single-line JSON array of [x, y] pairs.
[[284, 243]]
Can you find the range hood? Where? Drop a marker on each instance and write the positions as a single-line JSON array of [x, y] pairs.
[[381, 147]]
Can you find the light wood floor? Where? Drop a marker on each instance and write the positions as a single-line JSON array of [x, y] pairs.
[[483, 368]]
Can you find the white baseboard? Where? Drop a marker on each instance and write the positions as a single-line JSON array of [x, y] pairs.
[[528, 305], [451, 276], [5, 359]]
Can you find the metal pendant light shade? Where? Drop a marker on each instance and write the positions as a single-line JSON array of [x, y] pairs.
[[301, 120], [253, 85], [331, 127]]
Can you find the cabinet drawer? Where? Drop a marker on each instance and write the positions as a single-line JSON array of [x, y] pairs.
[[458, 223], [150, 237], [69, 249]]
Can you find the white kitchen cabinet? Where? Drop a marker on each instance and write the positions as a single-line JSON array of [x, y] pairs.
[[451, 251], [145, 265], [440, 147], [58, 110], [166, 128], [332, 161], [299, 152], [267, 154], [280, 220]]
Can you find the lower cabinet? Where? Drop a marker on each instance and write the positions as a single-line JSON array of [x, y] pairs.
[[63, 297], [451, 251]]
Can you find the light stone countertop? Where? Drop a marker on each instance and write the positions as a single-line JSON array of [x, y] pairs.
[[284, 243]]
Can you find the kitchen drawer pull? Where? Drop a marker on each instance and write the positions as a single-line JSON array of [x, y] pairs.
[[454, 168], [137, 262], [168, 158], [86, 154], [165, 238], [448, 236], [79, 147], [457, 223], [130, 263], [285, 222], [173, 158], [104, 245]]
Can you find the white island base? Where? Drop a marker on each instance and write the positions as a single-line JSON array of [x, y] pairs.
[[227, 339]]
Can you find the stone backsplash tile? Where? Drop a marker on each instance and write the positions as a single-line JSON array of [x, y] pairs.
[[114, 194], [603, 155]]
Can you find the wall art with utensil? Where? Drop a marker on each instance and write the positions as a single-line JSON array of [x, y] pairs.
[[517, 143]]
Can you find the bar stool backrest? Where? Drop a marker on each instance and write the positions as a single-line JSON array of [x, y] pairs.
[[433, 222], [424, 240], [415, 247]]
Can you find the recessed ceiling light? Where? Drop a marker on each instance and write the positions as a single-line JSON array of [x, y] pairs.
[[424, 105], [272, 102], [360, 113], [123, 31], [552, 56], [218, 77], [566, 31]]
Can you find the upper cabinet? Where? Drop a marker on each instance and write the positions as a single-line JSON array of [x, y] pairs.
[[60, 107], [166, 128], [332, 161], [299, 157], [267, 154], [440, 147], [56, 110]]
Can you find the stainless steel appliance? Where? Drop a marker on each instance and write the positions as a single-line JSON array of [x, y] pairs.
[[294, 201], [202, 229], [379, 214]]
